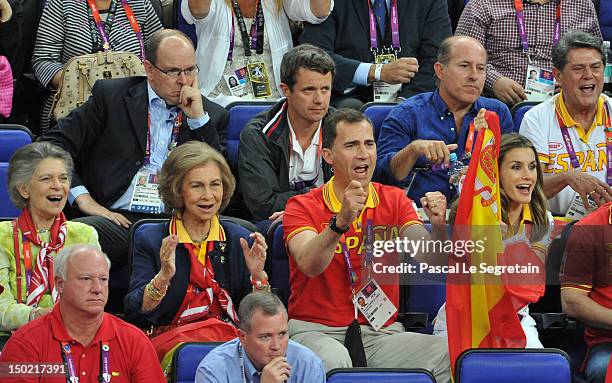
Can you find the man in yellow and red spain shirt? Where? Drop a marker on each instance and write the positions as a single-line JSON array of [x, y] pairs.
[[571, 131], [329, 232]]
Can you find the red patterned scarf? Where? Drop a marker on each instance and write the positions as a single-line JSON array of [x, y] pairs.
[[40, 279], [204, 298]]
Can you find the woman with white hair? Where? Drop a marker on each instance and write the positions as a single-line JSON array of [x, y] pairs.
[[38, 182]]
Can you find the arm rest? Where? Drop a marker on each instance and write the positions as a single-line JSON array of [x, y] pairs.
[[553, 321], [413, 321]]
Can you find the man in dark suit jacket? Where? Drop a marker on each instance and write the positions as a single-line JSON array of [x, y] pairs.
[[345, 35], [121, 136]]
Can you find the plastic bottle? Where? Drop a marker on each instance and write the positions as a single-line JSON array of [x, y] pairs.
[[442, 166], [608, 69]]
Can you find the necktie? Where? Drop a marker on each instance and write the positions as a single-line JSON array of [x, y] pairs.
[[380, 10]]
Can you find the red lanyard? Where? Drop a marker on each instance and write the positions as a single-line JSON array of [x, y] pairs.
[[102, 31], [469, 142], [178, 122], [27, 255]]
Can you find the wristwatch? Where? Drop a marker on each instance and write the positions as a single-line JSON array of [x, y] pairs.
[[339, 230]]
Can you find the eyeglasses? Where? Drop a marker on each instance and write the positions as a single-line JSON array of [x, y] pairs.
[[176, 73]]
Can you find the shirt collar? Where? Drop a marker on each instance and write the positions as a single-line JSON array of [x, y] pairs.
[[293, 137], [334, 204], [442, 108], [154, 99], [249, 368], [214, 233], [105, 332], [569, 121], [526, 214]]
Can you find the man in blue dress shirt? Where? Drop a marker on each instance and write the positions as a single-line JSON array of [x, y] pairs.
[[263, 352], [425, 128]]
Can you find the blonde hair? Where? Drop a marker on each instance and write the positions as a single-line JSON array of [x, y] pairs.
[[180, 161]]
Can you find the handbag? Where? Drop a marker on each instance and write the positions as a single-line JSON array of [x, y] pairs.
[[6, 87], [82, 72]]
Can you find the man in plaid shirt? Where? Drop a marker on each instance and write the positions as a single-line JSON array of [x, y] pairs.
[[495, 24]]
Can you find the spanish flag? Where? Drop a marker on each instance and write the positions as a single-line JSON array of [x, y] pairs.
[[479, 310]]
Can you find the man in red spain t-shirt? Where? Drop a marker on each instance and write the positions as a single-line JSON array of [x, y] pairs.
[[586, 286], [329, 230]]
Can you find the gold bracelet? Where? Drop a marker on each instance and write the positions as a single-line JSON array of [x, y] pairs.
[[153, 293]]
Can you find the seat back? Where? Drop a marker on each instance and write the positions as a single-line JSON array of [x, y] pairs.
[[547, 365], [12, 137], [137, 227], [186, 359], [383, 375], [239, 114], [425, 296], [518, 112], [279, 265], [377, 112], [7, 209]]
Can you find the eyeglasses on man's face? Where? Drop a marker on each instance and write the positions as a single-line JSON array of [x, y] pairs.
[[176, 73]]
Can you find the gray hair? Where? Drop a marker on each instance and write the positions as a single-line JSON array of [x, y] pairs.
[[60, 262], [24, 163], [574, 40], [268, 303]]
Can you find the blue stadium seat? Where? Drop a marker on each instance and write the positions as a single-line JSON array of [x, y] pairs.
[[383, 375], [605, 19], [182, 25], [377, 112], [518, 112], [547, 365], [7, 209], [279, 265], [425, 296], [239, 114], [186, 359], [12, 137]]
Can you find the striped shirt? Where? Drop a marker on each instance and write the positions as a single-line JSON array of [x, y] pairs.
[[64, 33], [493, 23]]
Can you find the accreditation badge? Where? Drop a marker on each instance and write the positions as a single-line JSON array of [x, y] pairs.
[[374, 304], [145, 197], [384, 92], [539, 83], [260, 81], [237, 82], [577, 210]]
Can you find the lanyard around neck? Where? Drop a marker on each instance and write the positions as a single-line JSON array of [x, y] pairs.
[[395, 40], [520, 20], [101, 26], [27, 260], [571, 152], [72, 376], [256, 39], [367, 226], [176, 126]]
